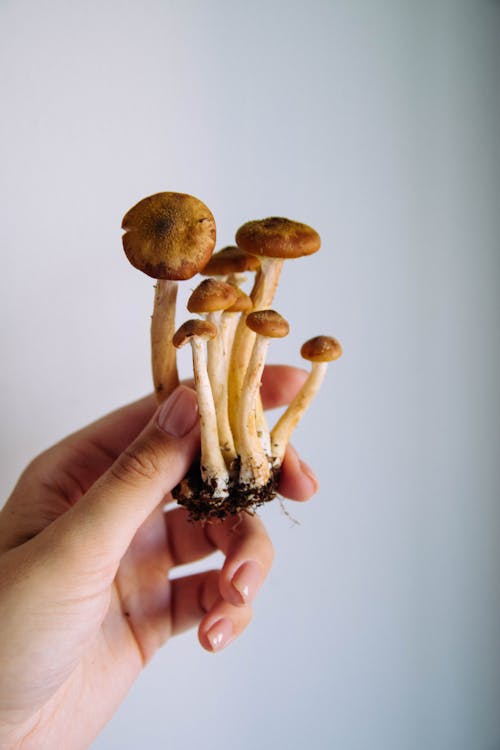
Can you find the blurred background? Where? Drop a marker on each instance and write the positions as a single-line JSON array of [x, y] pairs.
[[377, 122]]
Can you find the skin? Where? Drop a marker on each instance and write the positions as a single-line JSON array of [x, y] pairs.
[[86, 545]]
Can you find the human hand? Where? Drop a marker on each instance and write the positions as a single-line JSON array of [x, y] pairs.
[[86, 547]]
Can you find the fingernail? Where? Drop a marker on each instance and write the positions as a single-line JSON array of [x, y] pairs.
[[178, 415], [309, 473], [247, 580], [220, 634]]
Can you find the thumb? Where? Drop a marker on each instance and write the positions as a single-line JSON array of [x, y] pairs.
[[110, 513]]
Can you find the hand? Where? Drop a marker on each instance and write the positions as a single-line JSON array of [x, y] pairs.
[[86, 547]]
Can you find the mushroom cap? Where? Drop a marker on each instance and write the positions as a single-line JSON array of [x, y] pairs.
[[169, 235], [230, 260], [211, 296], [203, 329], [243, 302], [321, 349], [277, 237], [268, 323]]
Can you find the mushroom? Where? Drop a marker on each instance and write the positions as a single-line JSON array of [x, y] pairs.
[[170, 237], [229, 262], [273, 240], [212, 297], [255, 470], [319, 351], [213, 468]]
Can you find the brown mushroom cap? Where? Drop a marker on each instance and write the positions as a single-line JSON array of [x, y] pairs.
[[211, 296], [321, 349], [196, 327], [243, 302], [169, 235], [268, 323], [277, 237], [230, 260]]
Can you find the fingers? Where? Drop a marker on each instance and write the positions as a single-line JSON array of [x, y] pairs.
[[85, 455], [196, 598], [115, 431], [297, 479], [280, 383], [191, 598], [244, 541], [217, 601], [107, 517], [249, 554], [222, 624]]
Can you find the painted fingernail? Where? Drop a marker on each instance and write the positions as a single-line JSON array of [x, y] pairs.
[[220, 634], [309, 473], [247, 580], [178, 415]]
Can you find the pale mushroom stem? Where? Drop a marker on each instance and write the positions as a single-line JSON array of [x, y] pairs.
[[282, 431], [261, 426], [213, 468], [163, 354], [262, 294], [217, 374], [254, 461], [228, 326], [214, 353]]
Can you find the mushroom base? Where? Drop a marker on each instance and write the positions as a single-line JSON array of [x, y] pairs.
[[197, 496]]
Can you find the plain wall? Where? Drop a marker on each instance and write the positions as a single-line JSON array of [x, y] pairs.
[[377, 122]]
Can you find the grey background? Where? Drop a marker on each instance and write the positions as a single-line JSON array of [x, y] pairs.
[[377, 122]]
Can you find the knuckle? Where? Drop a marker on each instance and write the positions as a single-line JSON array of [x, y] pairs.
[[136, 464], [37, 465]]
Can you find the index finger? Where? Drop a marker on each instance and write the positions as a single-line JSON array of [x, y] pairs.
[[114, 432]]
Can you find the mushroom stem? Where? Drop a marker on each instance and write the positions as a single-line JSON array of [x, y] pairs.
[[266, 282], [214, 353], [254, 462], [163, 354], [262, 294], [213, 468], [228, 326], [218, 377], [282, 431], [261, 426]]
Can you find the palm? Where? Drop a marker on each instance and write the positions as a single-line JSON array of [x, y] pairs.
[[116, 616]]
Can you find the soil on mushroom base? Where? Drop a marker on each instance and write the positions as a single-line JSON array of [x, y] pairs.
[[197, 496]]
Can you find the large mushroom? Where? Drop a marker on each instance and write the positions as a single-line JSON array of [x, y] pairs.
[[170, 237], [273, 240], [319, 350]]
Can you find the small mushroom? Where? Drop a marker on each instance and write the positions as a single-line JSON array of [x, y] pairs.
[[230, 261], [255, 470], [212, 297], [213, 468], [273, 240], [170, 237], [319, 351]]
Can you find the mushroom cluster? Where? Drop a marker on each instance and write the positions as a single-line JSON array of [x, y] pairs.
[[171, 237]]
